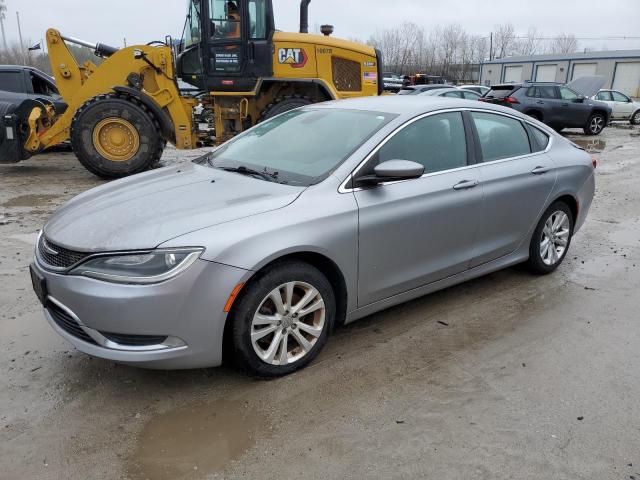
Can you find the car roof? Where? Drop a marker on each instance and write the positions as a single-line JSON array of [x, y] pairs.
[[411, 105]]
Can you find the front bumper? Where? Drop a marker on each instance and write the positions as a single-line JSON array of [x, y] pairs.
[[185, 315]]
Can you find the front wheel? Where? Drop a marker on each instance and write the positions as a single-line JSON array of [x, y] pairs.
[[595, 124], [282, 319], [635, 118], [113, 137], [551, 239]]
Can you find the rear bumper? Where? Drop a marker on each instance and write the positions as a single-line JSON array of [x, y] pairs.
[[184, 314]]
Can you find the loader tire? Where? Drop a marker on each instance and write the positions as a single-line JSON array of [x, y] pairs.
[[114, 136], [284, 104]]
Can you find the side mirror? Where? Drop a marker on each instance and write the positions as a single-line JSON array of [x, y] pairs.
[[391, 171], [580, 99]]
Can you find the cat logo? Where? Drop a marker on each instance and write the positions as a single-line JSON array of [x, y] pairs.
[[296, 57]]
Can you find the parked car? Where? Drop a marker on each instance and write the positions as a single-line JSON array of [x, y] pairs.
[[559, 106], [622, 107], [19, 83], [452, 92], [481, 89], [418, 89], [268, 242], [393, 81]]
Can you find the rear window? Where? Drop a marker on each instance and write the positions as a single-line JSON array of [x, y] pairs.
[[12, 82], [500, 91]]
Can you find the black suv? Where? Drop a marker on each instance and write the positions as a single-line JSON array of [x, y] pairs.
[[557, 105]]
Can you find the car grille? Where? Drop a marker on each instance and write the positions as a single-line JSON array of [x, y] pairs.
[[63, 258], [134, 340], [67, 323]]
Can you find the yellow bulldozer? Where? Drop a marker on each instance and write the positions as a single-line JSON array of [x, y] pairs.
[[121, 114]]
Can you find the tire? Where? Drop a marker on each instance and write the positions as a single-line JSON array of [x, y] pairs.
[[543, 264], [535, 115], [136, 146], [284, 104], [635, 118], [254, 357], [595, 124]]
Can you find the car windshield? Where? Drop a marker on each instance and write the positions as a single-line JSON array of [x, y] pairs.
[[300, 147]]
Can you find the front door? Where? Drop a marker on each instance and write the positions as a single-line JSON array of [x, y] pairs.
[[622, 105], [517, 179], [418, 231], [575, 109]]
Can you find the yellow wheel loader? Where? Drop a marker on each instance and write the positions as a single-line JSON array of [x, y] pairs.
[[121, 114]]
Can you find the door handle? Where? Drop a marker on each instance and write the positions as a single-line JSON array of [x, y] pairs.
[[540, 170], [465, 184]]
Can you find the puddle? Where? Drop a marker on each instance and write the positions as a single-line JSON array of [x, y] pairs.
[[593, 145], [192, 442], [29, 200]]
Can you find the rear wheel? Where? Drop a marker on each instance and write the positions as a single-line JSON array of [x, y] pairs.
[[595, 124], [635, 118], [284, 104], [114, 137], [282, 319], [551, 239]]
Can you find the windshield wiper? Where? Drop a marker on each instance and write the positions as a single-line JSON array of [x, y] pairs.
[[271, 177]]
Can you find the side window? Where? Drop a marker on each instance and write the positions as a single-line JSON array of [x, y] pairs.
[[470, 95], [604, 96], [568, 94], [540, 139], [41, 86], [257, 19], [12, 82], [453, 94], [437, 142], [547, 92], [619, 97], [500, 136], [532, 92]]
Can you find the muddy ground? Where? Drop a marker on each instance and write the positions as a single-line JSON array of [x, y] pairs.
[[507, 376]]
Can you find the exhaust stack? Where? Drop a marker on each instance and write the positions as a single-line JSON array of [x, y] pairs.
[[304, 16]]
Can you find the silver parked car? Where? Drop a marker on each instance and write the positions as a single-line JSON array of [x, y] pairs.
[[452, 92], [317, 217]]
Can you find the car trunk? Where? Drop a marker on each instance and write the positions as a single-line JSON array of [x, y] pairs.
[[499, 95]]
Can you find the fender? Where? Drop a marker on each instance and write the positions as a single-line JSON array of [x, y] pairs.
[[166, 125]]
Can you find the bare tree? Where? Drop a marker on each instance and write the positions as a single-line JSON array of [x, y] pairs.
[[530, 44], [504, 40], [564, 43]]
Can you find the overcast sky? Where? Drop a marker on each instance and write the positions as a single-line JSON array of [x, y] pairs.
[[140, 21]]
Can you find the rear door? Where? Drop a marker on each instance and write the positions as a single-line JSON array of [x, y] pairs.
[[517, 179], [418, 231]]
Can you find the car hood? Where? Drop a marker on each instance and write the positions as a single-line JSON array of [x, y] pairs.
[[587, 86], [145, 210]]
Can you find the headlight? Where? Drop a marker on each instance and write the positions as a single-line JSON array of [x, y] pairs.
[[139, 268]]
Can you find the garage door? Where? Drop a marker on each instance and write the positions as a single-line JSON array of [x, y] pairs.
[[627, 78], [584, 70], [513, 74], [546, 73]]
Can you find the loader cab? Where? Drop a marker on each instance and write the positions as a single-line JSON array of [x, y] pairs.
[[227, 44]]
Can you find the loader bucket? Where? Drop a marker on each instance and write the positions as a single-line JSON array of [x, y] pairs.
[[14, 129]]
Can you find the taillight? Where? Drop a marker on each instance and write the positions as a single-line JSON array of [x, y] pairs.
[[594, 162], [511, 100]]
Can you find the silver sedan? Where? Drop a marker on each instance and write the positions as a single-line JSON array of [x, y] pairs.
[[313, 219]]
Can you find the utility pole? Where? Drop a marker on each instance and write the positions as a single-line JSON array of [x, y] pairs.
[[3, 8], [491, 47], [24, 59]]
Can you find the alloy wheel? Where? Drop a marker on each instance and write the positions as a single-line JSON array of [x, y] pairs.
[[636, 118], [288, 323], [555, 238], [597, 124]]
